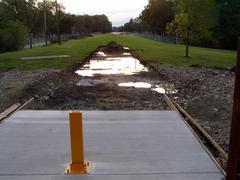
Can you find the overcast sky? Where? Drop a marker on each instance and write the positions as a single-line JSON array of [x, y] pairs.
[[118, 11]]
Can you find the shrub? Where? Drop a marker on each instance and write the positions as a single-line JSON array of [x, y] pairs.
[[12, 36]]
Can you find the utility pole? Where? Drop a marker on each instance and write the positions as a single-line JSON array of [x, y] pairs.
[[29, 25], [45, 22], [57, 23], [233, 169]]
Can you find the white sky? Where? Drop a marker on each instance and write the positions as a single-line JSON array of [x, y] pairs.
[[118, 11]]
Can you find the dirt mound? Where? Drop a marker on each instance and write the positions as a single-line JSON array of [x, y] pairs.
[[13, 84], [113, 48]]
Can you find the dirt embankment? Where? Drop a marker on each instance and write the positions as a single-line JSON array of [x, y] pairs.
[[206, 93], [13, 83]]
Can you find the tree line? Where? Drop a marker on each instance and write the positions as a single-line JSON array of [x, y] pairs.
[[22, 18], [207, 23]]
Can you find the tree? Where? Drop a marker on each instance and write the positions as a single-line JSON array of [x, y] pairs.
[[88, 24], [194, 20], [66, 23], [228, 27], [29, 14], [156, 15], [12, 10], [49, 6], [134, 25], [12, 35], [21, 10]]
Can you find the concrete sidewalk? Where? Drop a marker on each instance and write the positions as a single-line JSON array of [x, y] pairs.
[[122, 145]]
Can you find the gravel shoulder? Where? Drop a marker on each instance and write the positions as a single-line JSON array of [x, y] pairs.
[[206, 93]]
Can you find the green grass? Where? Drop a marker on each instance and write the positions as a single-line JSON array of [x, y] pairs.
[[143, 48]]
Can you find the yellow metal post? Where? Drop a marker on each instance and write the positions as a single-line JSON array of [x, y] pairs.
[[78, 164]]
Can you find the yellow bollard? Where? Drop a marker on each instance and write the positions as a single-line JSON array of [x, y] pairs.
[[78, 164]]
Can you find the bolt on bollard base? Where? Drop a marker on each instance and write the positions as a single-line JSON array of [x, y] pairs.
[[78, 168]]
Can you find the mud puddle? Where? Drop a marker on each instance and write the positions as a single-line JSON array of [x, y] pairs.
[[112, 79], [120, 65], [105, 64]]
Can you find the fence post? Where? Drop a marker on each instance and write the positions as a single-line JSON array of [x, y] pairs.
[[78, 165]]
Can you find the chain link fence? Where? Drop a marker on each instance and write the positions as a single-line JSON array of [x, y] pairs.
[[160, 38], [36, 41]]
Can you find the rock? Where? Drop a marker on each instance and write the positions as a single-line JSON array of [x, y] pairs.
[[215, 109], [36, 96], [45, 98]]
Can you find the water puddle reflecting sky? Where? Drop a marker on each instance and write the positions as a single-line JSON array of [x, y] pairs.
[[124, 64], [136, 84], [162, 89], [100, 53], [127, 54]]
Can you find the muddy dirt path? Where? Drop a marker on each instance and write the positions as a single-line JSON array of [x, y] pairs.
[[112, 79]]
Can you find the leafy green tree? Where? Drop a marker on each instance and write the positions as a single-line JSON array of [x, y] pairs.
[[66, 23], [88, 24], [21, 10], [11, 10], [30, 14], [156, 15], [228, 26], [134, 25], [194, 20], [12, 35]]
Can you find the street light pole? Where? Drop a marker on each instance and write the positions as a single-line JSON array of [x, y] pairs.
[[57, 23], [45, 21]]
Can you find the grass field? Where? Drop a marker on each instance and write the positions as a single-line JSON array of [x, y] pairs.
[[143, 48]]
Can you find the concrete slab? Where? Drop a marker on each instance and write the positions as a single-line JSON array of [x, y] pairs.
[[45, 57], [121, 145]]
